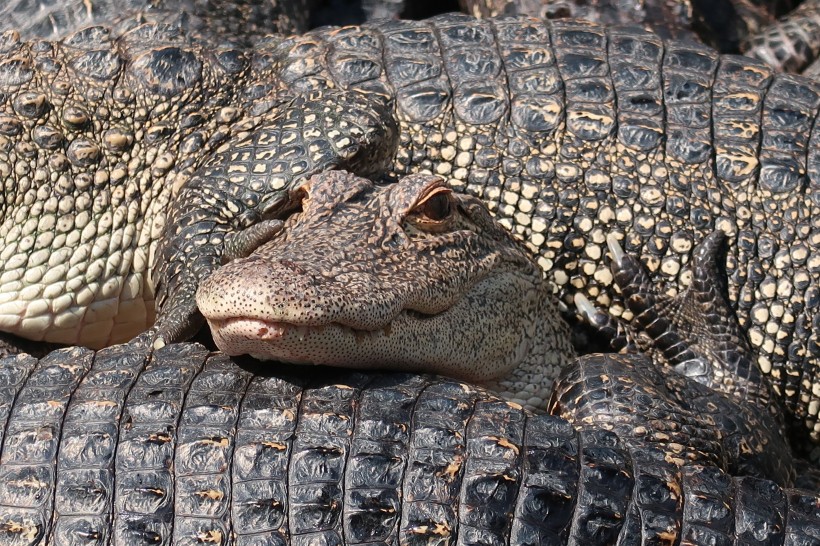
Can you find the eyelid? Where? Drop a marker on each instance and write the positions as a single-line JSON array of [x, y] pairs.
[[419, 215], [438, 190]]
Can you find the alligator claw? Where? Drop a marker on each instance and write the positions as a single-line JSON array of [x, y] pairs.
[[594, 316], [158, 341], [615, 248], [695, 332], [180, 319], [607, 325]]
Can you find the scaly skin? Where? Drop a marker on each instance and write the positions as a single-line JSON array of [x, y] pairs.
[[723, 24], [180, 445], [95, 135], [408, 276], [110, 125], [791, 44], [567, 130], [570, 131], [243, 21]]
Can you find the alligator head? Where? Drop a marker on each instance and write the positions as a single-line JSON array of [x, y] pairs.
[[408, 276]]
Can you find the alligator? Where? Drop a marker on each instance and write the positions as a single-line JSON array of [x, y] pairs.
[[186, 446], [362, 272], [183, 445], [567, 130], [792, 44], [180, 445]]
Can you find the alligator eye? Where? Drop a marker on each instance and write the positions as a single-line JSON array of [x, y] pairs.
[[434, 213], [437, 207]]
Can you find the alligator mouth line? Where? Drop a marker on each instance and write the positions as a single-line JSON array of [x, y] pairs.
[[330, 344], [264, 330], [271, 330], [296, 343]]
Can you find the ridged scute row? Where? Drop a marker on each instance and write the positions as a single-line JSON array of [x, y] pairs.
[[32, 440], [183, 446]]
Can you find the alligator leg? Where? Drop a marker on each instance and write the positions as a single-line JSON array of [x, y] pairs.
[[696, 332], [790, 44], [701, 369], [234, 203], [653, 407]]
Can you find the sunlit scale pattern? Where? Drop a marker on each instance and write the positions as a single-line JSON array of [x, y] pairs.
[[90, 147], [721, 26], [570, 131], [184, 446]]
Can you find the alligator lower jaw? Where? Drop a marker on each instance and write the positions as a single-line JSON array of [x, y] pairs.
[[287, 342], [262, 339], [254, 328]]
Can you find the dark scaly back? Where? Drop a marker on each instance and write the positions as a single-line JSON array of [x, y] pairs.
[[180, 445], [569, 131]]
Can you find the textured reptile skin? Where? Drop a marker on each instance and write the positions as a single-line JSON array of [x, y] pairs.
[[234, 20], [792, 43], [722, 24], [184, 446], [570, 131], [567, 130]]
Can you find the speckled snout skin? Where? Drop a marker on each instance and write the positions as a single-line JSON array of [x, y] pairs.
[[407, 276]]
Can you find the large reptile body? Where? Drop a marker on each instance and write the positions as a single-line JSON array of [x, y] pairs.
[[567, 130], [93, 134], [183, 446], [570, 131]]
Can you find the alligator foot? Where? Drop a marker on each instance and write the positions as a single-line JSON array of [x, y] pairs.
[[653, 408], [695, 365], [180, 318], [695, 332]]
